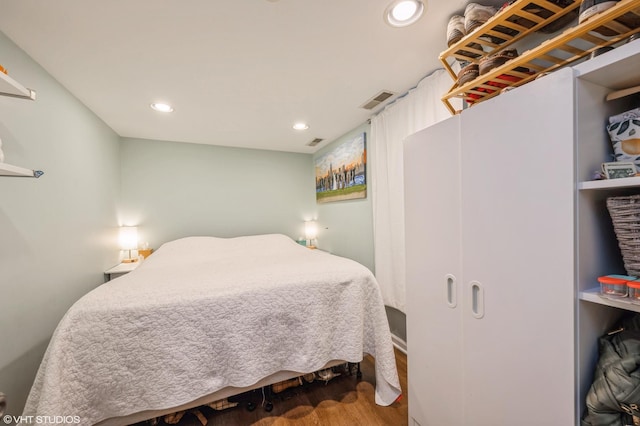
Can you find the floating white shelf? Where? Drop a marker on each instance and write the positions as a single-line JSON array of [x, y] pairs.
[[629, 182], [594, 295], [10, 87], [9, 170]]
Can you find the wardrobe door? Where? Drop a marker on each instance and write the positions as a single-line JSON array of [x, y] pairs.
[[434, 322], [517, 250]]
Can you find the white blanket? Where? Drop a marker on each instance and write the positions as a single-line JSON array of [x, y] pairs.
[[204, 313]]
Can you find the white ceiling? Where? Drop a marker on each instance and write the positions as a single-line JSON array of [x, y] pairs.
[[238, 72]]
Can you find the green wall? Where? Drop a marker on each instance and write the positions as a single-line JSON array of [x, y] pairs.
[[57, 232], [172, 190]]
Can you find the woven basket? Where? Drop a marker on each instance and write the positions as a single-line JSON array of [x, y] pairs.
[[625, 214]]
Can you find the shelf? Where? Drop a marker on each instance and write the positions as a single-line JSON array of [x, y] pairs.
[[629, 182], [15, 171], [571, 45], [10, 87], [593, 295], [519, 19], [623, 93]]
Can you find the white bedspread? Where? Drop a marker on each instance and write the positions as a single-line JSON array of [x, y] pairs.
[[205, 313]]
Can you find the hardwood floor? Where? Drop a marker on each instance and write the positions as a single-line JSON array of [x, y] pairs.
[[343, 401]]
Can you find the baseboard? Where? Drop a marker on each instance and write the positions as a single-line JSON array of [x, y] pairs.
[[400, 344]]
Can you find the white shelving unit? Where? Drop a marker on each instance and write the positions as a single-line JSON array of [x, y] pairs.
[[597, 251], [10, 87]]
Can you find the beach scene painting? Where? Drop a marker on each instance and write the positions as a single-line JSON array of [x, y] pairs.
[[341, 174]]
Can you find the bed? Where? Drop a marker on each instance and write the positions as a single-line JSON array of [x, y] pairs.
[[204, 318]]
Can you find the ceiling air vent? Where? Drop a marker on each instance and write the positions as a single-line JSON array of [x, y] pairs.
[[377, 99], [315, 142]]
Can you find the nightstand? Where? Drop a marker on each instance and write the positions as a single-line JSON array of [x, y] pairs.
[[119, 270]]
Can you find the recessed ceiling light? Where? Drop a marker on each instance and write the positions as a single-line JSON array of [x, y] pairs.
[[158, 106], [401, 13], [301, 126]]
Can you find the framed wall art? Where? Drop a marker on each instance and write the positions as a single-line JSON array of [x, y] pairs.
[[341, 174]]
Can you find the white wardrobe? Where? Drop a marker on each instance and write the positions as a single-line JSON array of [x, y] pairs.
[[489, 202]]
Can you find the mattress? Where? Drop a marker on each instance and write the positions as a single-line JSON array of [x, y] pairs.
[[203, 315]]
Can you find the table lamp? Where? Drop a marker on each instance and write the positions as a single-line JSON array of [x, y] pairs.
[[128, 241], [310, 232]]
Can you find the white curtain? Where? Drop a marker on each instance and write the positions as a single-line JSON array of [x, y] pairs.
[[421, 107]]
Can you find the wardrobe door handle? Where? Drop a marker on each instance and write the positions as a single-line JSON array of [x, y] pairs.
[[477, 299], [452, 291]]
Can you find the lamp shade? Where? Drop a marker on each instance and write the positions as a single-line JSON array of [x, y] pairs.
[[311, 229], [128, 237]]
